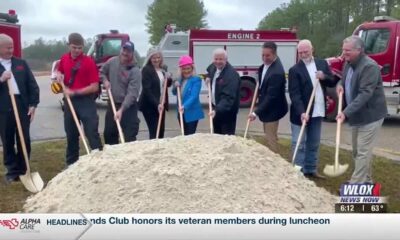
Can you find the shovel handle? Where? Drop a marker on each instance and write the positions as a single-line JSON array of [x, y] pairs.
[[77, 123], [120, 132], [210, 107], [160, 114], [179, 106], [338, 131], [303, 125], [253, 103], [19, 127]]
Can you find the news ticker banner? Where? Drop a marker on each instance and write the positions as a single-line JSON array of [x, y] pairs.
[[199, 226]]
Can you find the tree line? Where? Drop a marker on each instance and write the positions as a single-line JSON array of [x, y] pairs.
[[327, 22], [41, 53]]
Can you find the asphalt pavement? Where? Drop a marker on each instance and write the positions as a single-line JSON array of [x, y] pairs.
[[48, 124]]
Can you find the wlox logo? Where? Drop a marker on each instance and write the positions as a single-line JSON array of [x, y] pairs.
[[361, 193], [9, 223], [360, 190]]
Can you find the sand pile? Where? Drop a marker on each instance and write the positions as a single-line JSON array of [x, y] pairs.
[[197, 174]]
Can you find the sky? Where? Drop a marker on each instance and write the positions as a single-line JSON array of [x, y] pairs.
[[55, 19]]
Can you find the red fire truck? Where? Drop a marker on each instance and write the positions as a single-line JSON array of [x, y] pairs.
[[381, 38], [243, 48], [9, 26]]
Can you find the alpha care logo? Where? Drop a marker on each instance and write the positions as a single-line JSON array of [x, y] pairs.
[[29, 224], [9, 223]]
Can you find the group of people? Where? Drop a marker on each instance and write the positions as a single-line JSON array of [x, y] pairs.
[[364, 103], [225, 94], [145, 90]]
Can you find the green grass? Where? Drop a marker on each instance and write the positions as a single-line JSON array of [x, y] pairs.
[[385, 171], [48, 159]]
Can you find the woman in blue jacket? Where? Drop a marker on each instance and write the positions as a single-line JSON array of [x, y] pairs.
[[190, 85]]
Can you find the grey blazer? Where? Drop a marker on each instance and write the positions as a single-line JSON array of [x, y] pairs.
[[368, 99]]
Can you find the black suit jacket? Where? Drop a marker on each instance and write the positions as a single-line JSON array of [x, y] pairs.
[[151, 91], [272, 104], [227, 90], [28, 87], [300, 87]]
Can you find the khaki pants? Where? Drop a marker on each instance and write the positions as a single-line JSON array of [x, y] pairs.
[[364, 139], [271, 135]]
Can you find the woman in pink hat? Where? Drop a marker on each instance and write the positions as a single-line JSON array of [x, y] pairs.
[[191, 86]]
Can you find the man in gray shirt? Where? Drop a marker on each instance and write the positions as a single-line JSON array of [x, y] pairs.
[[123, 76], [365, 105]]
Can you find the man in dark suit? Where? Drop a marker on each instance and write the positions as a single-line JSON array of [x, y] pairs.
[[225, 93], [272, 104], [303, 77], [365, 105], [26, 92]]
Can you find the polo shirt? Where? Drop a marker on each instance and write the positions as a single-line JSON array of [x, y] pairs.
[[86, 75]]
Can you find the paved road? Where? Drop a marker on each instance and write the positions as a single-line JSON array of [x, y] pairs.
[[49, 124]]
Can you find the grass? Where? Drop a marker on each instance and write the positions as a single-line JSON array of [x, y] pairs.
[[385, 171], [48, 158]]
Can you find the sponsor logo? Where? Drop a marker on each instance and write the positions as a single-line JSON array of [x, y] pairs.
[[9, 223]]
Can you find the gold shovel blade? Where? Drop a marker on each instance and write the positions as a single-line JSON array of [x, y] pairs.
[[331, 171], [32, 182]]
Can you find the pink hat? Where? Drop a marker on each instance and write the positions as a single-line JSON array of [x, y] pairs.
[[185, 60]]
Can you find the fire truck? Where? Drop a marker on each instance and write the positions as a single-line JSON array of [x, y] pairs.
[[243, 48], [381, 38], [9, 26]]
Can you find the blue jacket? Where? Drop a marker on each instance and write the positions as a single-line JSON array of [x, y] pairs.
[[191, 100]]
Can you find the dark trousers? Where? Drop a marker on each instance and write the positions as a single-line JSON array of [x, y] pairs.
[[151, 118], [85, 108], [225, 124], [129, 124], [189, 127], [14, 161]]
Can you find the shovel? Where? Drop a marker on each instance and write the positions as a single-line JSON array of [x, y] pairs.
[[337, 169], [210, 106], [31, 180], [253, 102], [160, 115], [303, 125], [179, 107], [78, 125], [120, 132]]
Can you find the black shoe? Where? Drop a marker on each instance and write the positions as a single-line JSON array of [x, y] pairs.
[[10, 180], [314, 175]]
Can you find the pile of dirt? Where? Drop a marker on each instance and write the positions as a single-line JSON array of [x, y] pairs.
[[201, 173]]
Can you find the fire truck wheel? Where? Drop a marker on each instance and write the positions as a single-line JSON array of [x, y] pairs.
[[246, 93]]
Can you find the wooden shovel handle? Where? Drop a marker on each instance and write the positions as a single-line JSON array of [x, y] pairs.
[[162, 101], [77, 123], [338, 131], [120, 132], [253, 102], [179, 107], [210, 107], [304, 123], [19, 127]]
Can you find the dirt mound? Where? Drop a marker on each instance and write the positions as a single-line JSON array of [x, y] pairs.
[[201, 173]]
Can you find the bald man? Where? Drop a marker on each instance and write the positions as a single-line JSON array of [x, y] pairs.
[[303, 77], [26, 92], [225, 93]]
